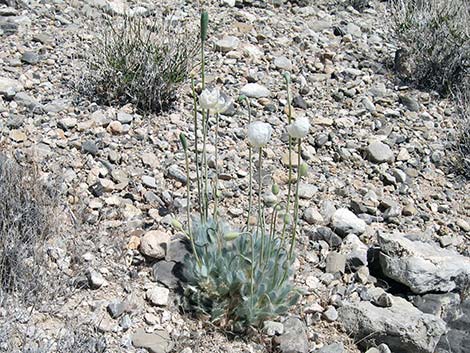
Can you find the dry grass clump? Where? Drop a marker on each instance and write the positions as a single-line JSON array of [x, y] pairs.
[[139, 60], [27, 220], [74, 337], [435, 35], [460, 141]]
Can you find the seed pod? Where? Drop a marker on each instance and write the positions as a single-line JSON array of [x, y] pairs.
[[231, 236], [287, 218], [275, 189], [204, 24], [176, 224], [303, 171], [183, 141]]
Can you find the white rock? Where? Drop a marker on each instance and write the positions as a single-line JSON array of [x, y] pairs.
[[227, 43], [9, 87], [255, 90], [158, 295], [154, 244], [345, 222]]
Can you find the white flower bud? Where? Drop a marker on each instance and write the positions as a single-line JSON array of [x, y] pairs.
[[299, 128], [259, 134]]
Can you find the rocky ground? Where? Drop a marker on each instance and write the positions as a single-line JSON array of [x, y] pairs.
[[384, 251]]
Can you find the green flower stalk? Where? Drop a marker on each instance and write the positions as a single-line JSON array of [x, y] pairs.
[[204, 27], [250, 166], [298, 130], [184, 143], [196, 146], [289, 185], [296, 199]]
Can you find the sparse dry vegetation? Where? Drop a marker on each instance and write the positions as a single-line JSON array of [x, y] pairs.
[[460, 140], [27, 220], [139, 60], [436, 39]]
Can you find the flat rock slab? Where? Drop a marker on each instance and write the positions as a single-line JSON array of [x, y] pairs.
[[402, 327], [8, 86], [156, 342], [423, 267]]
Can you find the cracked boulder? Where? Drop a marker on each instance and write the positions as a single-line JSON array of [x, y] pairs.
[[423, 267], [401, 326]]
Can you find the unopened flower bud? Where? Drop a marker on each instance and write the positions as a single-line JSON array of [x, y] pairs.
[[275, 189], [176, 224], [183, 141], [204, 25], [303, 171], [287, 218], [231, 236]]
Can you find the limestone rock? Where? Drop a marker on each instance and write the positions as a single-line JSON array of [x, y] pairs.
[[402, 327], [423, 267]]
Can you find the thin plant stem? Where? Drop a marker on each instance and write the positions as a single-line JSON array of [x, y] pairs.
[[196, 142], [216, 138], [250, 171], [296, 200], [203, 65], [260, 212], [188, 207], [205, 120], [289, 191]]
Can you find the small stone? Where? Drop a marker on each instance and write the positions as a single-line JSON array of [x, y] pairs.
[[115, 127], [463, 224], [379, 152], [294, 339], [373, 350], [345, 222], [158, 295], [327, 235], [17, 135], [90, 147], [410, 103], [336, 347], [272, 328], [126, 322], [383, 348], [124, 117], [227, 44], [150, 318], [116, 309], [154, 244], [409, 210], [176, 173], [330, 314], [335, 262], [312, 216], [95, 279], [368, 105], [150, 159], [163, 273], [353, 29], [67, 123], [149, 181], [307, 191], [30, 57], [283, 63], [255, 90], [157, 342]]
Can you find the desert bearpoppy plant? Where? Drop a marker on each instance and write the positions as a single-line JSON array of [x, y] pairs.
[[237, 276]]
